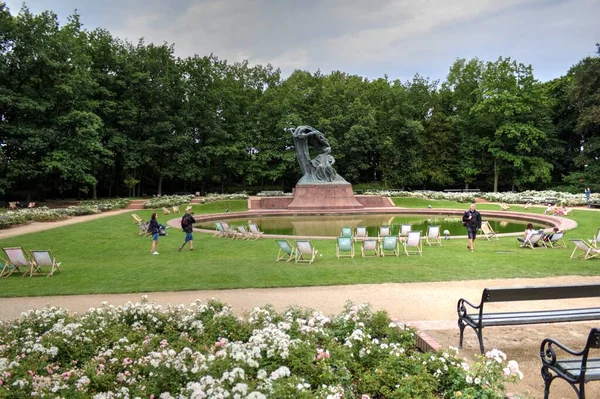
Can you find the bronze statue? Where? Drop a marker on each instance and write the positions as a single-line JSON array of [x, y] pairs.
[[318, 170]]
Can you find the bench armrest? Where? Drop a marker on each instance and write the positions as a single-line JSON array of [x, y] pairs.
[[461, 309], [548, 354]]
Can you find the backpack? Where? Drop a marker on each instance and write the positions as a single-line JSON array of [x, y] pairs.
[[184, 221]]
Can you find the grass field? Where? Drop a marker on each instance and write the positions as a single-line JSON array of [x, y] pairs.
[[107, 256]]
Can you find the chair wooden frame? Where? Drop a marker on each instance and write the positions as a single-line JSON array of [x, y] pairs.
[[175, 209], [344, 247], [587, 251], [136, 219], [413, 240], [389, 243], [556, 240], [487, 231], [305, 252], [433, 236], [287, 251], [369, 247], [44, 258], [594, 241]]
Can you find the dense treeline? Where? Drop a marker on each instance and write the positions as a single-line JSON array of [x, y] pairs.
[[83, 112]]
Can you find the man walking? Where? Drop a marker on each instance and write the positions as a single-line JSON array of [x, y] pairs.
[[472, 221], [187, 221]]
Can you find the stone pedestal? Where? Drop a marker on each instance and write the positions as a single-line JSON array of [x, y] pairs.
[[324, 196]]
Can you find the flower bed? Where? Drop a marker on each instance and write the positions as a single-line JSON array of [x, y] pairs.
[[168, 200], [222, 197], [141, 350], [108, 204]]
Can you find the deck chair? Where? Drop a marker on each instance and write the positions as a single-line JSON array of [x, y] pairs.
[[586, 250], [136, 219], [390, 243], [166, 211], [256, 233], [344, 247], [229, 232], [384, 231], [287, 251], [31, 205], [556, 240], [346, 232], [504, 207], [305, 252], [487, 231], [594, 241], [527, 205], [18, 260], [369, 247], [144, 228], [567, 211], [433, 236], [220, 230], [44, 258], [535, 238], [12, 205], [412, 244], [361, 233], [175, 209], [243, 233], [403, 233]]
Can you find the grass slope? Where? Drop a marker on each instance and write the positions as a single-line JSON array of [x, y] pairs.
[[107, 256]]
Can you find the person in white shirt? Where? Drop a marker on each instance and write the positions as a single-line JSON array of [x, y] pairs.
[[529, 231]]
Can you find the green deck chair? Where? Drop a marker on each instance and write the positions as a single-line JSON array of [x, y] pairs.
[[286, 252], [390, 243], [346, 232], [344, 247]]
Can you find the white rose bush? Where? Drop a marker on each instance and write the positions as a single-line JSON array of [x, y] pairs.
[[141, 350]]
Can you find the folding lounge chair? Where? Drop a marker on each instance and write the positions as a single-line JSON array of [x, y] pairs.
[[360, 233], [404, 229], [412, 244], [287, 251], [533, 240], [433, 236], [18, 260], [487, 231], [390, 243], [166, 211], [220, 230], [229, 232], [527, 205], [175, 209], [243, 233], [369, 247], [594, 241], [504, 207], [305, 252], [344, 247], [556, 240], [384, 231], [346, 232], [44, 258], [256, 233], [136, 218], [144, 229], [586, 251], [12, 205]]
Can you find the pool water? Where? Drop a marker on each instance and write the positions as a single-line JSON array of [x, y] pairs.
[[332, 225]]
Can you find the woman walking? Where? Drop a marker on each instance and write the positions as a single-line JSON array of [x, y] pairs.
[[154, 229]]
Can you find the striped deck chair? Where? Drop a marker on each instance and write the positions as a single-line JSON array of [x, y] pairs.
[[433, 236], [18, 260], [556, 240], [346, 232], [256, 233], [344, 247], [533, 240], [412, 244], [369, 247], [360, 233], [384, 230], [389, 243], [586, 250], [44, 258], [305, 252], [287, 251], [594, 241], [487, 231]]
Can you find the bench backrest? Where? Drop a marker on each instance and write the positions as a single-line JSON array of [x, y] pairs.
[[540, 293]]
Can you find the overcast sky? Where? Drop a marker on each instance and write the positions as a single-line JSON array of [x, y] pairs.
[[368, 38]]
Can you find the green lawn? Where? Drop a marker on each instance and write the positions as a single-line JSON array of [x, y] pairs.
[[107, 256]]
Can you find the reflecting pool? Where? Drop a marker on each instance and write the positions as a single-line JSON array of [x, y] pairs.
[[331, 225]]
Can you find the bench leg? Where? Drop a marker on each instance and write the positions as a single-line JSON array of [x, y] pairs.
[[461, 327], [547, 381], [480, 338]]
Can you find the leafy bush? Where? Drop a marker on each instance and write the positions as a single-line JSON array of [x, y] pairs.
[[108, 204], [222, 197], [142, 350], [168, 200]]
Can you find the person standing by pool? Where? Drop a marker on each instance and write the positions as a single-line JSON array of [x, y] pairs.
[[155, 230], [472, 221]]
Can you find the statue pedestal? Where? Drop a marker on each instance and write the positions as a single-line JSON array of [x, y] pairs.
[[324, 196]]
